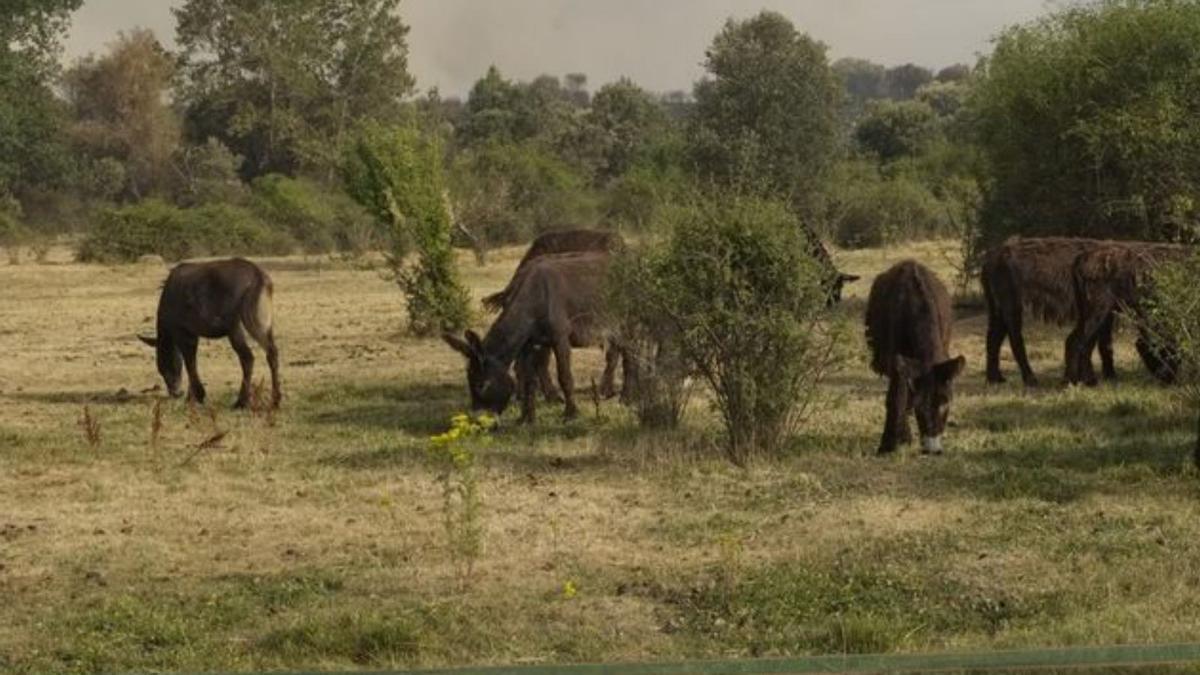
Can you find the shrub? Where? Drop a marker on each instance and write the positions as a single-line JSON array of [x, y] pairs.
[[317, 218], [1173, 320], [156, 227], [661, 385], [508, 192], [735, 290], [868, 209], [634, 199], [396, 174], [895, 129]]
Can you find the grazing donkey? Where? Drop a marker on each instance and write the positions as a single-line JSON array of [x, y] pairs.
[[1111, 279], [908, 329], [555, 304], [561, 241], [1034, 273], [222, 298]]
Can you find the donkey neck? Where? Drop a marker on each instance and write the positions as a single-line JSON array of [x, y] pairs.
[[508, 335]]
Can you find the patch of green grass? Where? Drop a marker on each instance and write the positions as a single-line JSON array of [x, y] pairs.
[[365, 639], [853, 606]]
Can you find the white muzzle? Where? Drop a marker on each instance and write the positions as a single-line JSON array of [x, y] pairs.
[[931, 445]]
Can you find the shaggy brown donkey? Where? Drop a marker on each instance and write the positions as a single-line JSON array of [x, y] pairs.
[[1113, 279], [1034, 274], [909, 322]]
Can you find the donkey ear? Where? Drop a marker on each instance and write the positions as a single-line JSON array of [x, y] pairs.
[[948, 370], [474, 341], [152, 341], [458, 345]]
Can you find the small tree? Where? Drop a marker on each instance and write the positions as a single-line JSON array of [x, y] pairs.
[[396, 173], [766, 114], [734, 290]]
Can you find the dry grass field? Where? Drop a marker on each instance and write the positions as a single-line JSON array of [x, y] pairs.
[[315, 540]]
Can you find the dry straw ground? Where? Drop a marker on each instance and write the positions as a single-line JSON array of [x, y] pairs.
[[1058, 516]]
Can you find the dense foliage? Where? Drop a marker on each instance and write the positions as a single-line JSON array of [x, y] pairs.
[[284, 84], [1087, 119], [766, 114]]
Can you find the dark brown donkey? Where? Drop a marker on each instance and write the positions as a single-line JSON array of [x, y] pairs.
[[555, 304], [909, 321], [1034, 273], [1113, 279], [223, 298], [561, 241]]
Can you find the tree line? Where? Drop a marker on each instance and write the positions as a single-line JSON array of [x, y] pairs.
[[1078, 122]]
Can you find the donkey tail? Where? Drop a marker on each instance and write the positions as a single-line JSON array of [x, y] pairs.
[[258, 314]]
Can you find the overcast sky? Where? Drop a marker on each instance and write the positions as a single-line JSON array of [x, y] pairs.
[[657, 43]]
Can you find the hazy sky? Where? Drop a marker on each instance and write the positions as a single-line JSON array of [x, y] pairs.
[[658, 43]]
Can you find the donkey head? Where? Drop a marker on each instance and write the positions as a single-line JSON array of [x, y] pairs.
[[488, 380], [170, 364], [840, 279], [931, 390]]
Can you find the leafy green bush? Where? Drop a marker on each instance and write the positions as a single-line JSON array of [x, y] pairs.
[[1086, 119], [868, 209], [634, 200], [894, 129], [734, 290], [508, 192], [317, 218], [396, 174], [156, 227], [1172, 319]]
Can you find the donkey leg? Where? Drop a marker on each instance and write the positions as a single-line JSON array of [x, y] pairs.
[[612, 356], [531, 370], [566, 380], [188, 345], [1079, 346], [995, 340], [1016, 340], [237, 339], [629, 375], [1104, 343], [267, 342], [542, 365], [897, 403]]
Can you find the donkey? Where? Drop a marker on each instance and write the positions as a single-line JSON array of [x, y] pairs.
[[556, 304], [223, 298], [1034, 273], [908, 323], [561, 241], [1111, 279], [834, 279]]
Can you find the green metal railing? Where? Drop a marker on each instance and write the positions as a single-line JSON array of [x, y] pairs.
[[1021, 659]]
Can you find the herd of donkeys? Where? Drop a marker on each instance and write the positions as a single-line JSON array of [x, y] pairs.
[[552, 304]]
